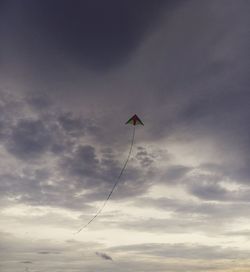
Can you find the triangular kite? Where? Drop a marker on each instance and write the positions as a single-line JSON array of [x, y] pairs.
[[135, 120]]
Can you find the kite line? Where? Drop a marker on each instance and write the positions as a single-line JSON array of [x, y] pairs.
[[134, 121], [114, 186]]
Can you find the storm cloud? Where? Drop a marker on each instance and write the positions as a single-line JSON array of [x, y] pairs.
[[96, 34]]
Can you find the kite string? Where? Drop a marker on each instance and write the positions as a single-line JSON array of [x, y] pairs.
[[114, 186]]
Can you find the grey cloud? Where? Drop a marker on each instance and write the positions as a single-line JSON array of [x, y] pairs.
[[47, 252], [13, 244], [195, 103], [104, 256], [10, 109], [178, 223], [244, 233], [187, 216], [86, 154], [31, 125], [235, 173], [39, 102], [44, 186], [144, 157], [97, 35], [34, 191], [55, 136], [183, 251], [76, 255], [74, 126], [86, 168], [1, 130], [138, 257], [204, 209], [215, 191], [29, 139], [100, 174], [175, 173], [210, 192], [214, 105], [83, 163]]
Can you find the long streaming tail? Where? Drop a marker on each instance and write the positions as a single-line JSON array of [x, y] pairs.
[[115, 184]]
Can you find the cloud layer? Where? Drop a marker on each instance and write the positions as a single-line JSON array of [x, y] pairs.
[[70, 77]]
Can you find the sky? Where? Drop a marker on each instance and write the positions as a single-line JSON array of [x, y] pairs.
[[71, 74]]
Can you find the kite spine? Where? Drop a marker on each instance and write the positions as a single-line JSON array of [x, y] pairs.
[[115, 184]]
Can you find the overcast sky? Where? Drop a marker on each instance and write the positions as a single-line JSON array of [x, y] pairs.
[[71, 74]]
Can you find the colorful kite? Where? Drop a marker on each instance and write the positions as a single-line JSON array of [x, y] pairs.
[[134, 120]]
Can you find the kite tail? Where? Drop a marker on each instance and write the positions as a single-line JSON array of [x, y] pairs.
[[115, 184]]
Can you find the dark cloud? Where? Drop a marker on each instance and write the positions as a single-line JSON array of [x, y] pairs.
[[83, 164], [218, 193], [55, 136], [29, 139], [99, 174], [73, 126], [209, 99], [96, 34], [89, 168], [104, 256], [210, 192], [39, 101], [31, 126]]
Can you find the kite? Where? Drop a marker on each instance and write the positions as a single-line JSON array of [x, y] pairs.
[[134, 120]]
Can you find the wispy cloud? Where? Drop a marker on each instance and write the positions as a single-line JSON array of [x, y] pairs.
[[104, 256]]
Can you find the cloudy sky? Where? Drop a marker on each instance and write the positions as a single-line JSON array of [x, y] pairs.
[[71, 74]]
